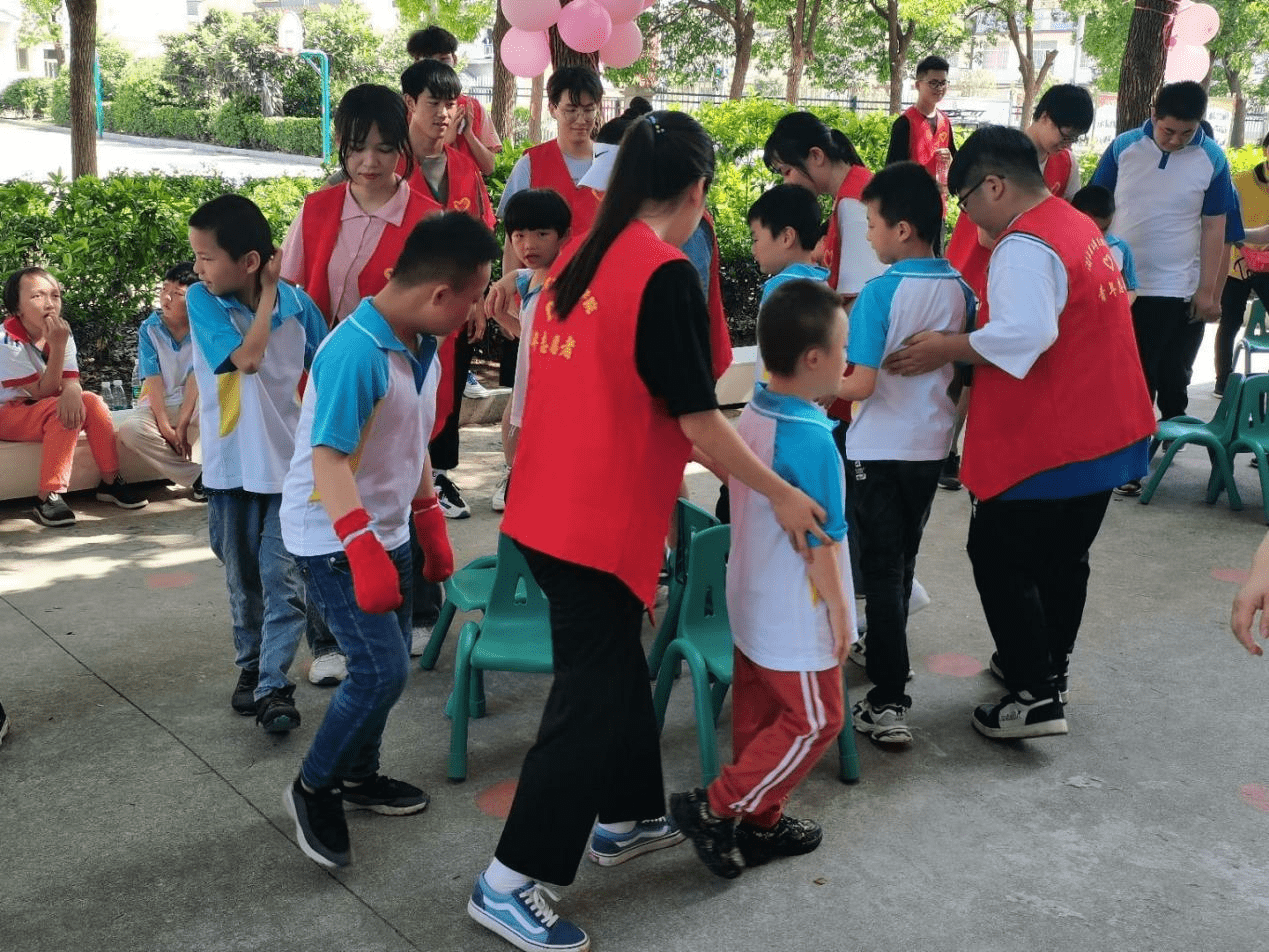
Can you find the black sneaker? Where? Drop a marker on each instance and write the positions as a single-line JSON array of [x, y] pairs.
[[276, 711], [53, 511], [452, 503], [385, 795], [1130, 488], [197, 492], [320, 827], [950, 477], [789, 837], [714, 838], [121, 494], [244, 699], [1020, 715], [1059, 680]]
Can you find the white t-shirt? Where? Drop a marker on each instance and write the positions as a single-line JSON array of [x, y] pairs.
[[524, 349], [1026, 291], [859, 263]]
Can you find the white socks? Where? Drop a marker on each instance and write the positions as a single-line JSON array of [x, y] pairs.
[[618, 829], [504, 879]]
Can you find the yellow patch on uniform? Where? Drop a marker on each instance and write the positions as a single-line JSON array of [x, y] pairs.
[[229, 396]]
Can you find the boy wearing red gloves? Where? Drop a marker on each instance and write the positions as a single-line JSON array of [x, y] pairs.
[[358, 477]]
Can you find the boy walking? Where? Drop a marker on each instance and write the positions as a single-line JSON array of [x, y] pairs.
[[792, 621], [254, 338], [898, 440], [373, 394]]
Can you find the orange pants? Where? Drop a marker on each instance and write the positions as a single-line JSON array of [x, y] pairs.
[[782, 722], [36, 422]]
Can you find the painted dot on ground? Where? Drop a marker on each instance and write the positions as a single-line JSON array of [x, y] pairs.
[[955, 665], [1255, 795], [169, 579], [1238, 576], [495, 801]]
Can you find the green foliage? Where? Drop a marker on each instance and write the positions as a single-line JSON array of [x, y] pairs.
[[31, 98], [41, 22], [228, 56], [741, 128], [1246, 158], [114, 58], [61, 99], [464, 18]]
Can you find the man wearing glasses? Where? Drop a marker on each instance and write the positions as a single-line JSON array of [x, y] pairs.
[[923, 134]]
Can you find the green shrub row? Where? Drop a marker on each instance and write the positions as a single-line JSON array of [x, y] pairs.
[[31, 98]]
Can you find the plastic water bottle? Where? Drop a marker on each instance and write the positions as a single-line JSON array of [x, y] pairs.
[[136, 383], [121, 399], [108, 395]]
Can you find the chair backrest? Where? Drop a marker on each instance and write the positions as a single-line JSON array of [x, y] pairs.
[[1252, 419], [689, 519], [515, 595], [1256, 323], [1225, 421], [704, 608]]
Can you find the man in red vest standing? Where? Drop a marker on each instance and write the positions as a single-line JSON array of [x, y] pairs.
[[1055, 331], [923, 133]]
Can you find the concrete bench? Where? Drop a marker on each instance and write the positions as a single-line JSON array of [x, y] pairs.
[[735, 387]]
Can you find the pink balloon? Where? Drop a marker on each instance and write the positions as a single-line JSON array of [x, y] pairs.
[[584, 26], [526, 54], [623, 47], [649, 4], [1186, 62], [622, 11], [531, 15], [1196, 24]]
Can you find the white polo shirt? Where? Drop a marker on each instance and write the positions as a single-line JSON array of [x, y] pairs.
[[159, 354], [22, 364]]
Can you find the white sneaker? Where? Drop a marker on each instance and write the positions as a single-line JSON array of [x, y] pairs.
[[328, 670], [919, 599], [419, 639], [858, 653], [499, 500], [887, 724], [861, 614], [474, 389]]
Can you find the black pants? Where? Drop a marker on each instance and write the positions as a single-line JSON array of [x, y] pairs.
[[1167, 342], [1030, 560], [852, 528], [1233, 307], [597, 752], [891, 501], [443, 450]]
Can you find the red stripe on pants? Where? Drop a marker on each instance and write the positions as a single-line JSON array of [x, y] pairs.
[[37, 422], [782, 722]]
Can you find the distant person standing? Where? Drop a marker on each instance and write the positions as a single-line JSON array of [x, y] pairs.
[[923, 133]]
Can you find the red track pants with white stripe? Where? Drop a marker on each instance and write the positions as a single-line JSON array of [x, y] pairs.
[[782, 722]]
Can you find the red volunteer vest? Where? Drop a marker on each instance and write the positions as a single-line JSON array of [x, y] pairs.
[[547, 170], [1057, 172], [922, 144], [719, 334], [1086, 396], [852, 187], [460, 142], [320, 231], [617, 437]]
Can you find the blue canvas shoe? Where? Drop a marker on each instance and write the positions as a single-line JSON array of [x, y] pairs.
[[525, 918], [613, 849]]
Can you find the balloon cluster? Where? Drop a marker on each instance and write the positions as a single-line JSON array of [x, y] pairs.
[[1194, 25], [606, 27]]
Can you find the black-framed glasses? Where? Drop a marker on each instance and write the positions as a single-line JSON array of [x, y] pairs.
[[962, 199], [935, 83], [1070, 138]]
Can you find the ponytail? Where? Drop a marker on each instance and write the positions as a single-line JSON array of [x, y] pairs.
[[661, 155], [797, 133]]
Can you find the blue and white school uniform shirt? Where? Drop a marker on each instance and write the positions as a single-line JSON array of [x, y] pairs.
[[159, 354], [374, 401], [247, 421], [1121, 251], [778, 620], [524, 351], [906, 418], [793, 272]]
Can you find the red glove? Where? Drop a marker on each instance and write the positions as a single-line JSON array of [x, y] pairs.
[[429, 523], [374, 575]]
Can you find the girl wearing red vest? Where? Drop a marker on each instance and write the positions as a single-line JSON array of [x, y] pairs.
[[622, 389]]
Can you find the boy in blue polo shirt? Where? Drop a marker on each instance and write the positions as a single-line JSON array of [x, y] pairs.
[[1097, 202], [359, 473], [898, 440]]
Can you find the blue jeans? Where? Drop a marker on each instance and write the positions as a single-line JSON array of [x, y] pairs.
[[266, 596], [346, 746]]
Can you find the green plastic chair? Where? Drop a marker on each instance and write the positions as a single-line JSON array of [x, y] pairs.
[[467, 590], [514, 635], [689, 519], [1251, 434], [1216, 435], [1255, 339], [703, 641]]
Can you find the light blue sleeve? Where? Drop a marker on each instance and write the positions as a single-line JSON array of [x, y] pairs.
[[1130, 268], [147, 356], [314, 324], [869, 324], [349, 382], [1107, 172], [806, 457], [213, 332], [519, 179]]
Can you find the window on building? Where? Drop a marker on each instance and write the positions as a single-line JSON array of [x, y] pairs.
[[24, 60], [194, 9]]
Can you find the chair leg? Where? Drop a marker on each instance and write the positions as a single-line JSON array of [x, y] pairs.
[[665, 634], [459, 701], [718, 694], [1222, 478], [847, 754], [1153, 482], [665, 682], [433, 650], [476, 700], [703, 704]]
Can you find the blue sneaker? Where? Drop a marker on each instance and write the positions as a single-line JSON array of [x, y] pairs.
[[613, 849], [525, 918]]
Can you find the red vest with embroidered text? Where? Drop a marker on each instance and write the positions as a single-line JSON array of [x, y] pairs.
[[922, 143], [467, 191], [547, 170]]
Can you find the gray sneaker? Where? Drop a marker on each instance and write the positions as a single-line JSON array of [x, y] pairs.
[[53, 511], [887, 724]]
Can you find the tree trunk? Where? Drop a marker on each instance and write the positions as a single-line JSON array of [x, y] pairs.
[[562, 55], [744, 30], [83, 109], [1142, 69], [1236, 132], [897, 42], [503, 106], [801, 26], [535, 109]]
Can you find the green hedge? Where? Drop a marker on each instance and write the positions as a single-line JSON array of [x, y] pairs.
[[31, 98]]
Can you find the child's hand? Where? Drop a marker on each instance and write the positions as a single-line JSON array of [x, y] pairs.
[[839, 624], [183, 448], [271, 270], [502, 300], [56, 330], [168, 432], [1251, 598], [70, 408]]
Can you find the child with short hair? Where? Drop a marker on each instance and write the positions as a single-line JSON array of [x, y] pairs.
[[163, 429], [254, 339], [41, 400], [1098, 203], [898, 440], [372, 393], [792, 620]]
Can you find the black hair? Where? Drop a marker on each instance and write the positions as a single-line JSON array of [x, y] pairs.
[[932, 64], [574, 80], [536, 208], [789, 206], [1068, 106], [797, 133], [433, 77], [1186, 101], [431, 41], [181, 273], [446, 248], [610, 132], [905, 191], [1096, 201], [1264, 143], [367, 105], [995, 150], [661, 155], [237, 224], [13, 287], [798, 315]]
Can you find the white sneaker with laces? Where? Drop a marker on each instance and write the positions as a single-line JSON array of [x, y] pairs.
[[887, 724], [499, 500], [328, 670], [919, 599], [474, 389]]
